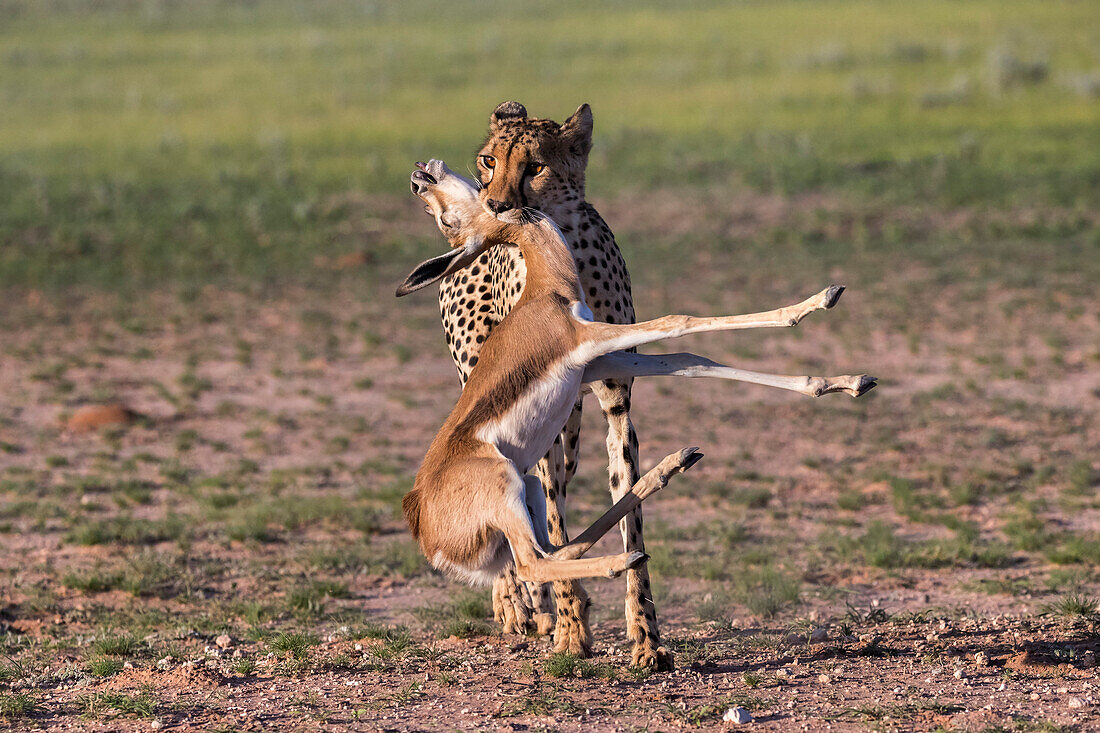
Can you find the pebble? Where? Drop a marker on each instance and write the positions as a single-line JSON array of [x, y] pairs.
[[156, 724], [981, 659], [819, 635], [824, 679], [737, 715], [1076, 702], [224, 641]]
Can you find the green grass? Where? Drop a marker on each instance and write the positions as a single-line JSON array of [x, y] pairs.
[[16, 705], [465, 616], [104, 666], [1074, 605], [127, 530], [569, 665], [879, 546], [310, 599], [212, 140], [766, 590], [111, 704], [116, 646], [293, 644]]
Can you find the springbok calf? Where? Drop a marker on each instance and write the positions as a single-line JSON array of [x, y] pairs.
[[473, 507]]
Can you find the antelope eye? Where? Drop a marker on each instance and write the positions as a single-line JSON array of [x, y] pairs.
[[536, 168], [488, 161]]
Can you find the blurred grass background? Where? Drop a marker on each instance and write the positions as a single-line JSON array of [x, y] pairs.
[[153, 143]]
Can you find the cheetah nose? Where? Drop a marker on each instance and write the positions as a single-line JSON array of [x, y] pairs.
[[498, 207]]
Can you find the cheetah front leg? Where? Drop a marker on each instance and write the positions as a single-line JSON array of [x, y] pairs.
[[622, 453]]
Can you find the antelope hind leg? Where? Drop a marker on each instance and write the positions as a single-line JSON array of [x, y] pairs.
[[625, 365]]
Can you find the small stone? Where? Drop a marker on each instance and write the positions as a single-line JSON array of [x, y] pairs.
[[819, 635], [824, 679], [960, 674], [981, 659], [795, 639], [156, 724], [737, 715], [1076, 702], [224, 641]]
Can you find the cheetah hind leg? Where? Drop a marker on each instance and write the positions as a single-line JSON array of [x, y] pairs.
[[511, 601], [572, 634], [542, 608]]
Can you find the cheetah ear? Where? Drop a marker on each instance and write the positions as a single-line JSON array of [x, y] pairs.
[[437, 268], [577, 131], [506, 111]]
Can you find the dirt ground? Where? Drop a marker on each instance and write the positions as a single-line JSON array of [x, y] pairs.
[[227, 553]]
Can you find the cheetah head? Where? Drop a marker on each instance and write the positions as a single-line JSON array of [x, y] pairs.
[[533, 163]]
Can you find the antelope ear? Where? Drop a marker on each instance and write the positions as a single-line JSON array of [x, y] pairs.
[[437, 268], [506, 111], [577, 131]]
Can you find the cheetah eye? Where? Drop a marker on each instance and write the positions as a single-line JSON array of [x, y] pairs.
[[488, 161], [536, 168]]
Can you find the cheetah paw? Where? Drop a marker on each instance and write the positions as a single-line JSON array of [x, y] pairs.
[[572, 636], [509, 608], [654, 658], [544, 624]]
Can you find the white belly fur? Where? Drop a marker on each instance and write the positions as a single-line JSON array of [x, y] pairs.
[[526, 431]]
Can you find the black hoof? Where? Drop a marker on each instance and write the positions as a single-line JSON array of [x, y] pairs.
[[694, 457], [866, 384], [833, 295]]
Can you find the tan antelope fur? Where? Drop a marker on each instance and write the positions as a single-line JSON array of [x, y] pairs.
[[474, 507]]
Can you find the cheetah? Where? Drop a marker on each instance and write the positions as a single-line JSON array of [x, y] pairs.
[[535, 163]]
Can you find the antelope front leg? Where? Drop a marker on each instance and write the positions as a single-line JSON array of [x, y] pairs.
[[604, 338], [626, 365]]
